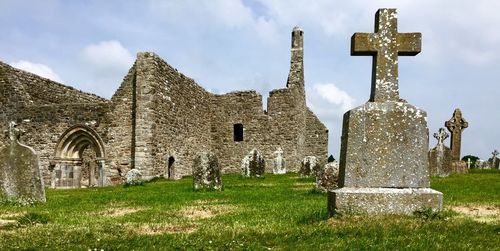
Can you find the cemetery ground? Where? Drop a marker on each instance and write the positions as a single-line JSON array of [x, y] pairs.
[[278, 212]]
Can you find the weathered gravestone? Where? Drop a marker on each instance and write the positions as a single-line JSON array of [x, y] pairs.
[[383, 158], [134, 177], [206, 172], [481, 164], [328, 177], [310, 166], [279, 166], [440, 156], [20, 177], [456, 125], [494, 161], [253, 164]]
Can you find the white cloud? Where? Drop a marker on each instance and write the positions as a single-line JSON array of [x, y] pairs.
[[38, 69], [105, 65], [107, 55], [334, 96]]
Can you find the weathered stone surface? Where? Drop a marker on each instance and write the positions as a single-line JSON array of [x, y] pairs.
[[383, 159], [134, 177], [157, 121], [494, 161], [206, 172], [328, 177], [279, 166], [456, 125], [20, 178], [384, 145], [385, 45], [310, 166], [253, 164], [459, 166], [349, 200], [440, 156]]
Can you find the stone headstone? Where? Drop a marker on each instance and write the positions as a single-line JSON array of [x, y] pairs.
[[20, 177], [133, 177], [279, 166], [206, 172], [459, 166], [481, 164], [328, 176], [440, 156], [494, 161], [253, 164], [310, 166], [456, 125], [383, 160]]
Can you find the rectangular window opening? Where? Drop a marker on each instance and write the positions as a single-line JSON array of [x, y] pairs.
[[238, 132]]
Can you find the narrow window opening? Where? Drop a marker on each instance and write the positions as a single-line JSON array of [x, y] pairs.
[[238, 132], [170, 167]]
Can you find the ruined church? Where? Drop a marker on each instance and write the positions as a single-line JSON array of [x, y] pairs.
[[156, 122]]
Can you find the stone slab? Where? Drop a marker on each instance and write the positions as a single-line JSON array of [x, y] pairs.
[[459, 166], [20, 176], [382, 200], [206, 172], [440, 161], [384, 145]]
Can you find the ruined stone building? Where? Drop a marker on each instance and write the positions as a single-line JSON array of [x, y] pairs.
[[156, 122]]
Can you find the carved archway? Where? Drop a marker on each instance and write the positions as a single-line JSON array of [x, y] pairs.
[[68, 157]]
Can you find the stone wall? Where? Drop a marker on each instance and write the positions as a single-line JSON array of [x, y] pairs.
[[120, 122], [20, 88], [182, 118], [159, 118], [44, 125], [238, 108]]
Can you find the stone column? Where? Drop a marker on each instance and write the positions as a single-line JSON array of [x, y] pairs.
[[101, 165], [77, 175]]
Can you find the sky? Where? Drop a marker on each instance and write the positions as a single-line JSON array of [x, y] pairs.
[[230, 45]]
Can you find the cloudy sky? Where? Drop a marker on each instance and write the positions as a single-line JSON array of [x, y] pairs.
[[228, 45]]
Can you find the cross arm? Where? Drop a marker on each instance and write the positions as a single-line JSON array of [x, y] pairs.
[[409, 44], [361, 46]]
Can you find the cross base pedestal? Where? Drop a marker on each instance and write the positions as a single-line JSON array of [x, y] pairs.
[[348, 200]]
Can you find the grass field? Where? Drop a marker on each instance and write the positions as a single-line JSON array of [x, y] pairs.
[[274, 213]]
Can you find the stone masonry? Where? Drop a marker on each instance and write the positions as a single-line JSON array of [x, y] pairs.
[[383, 159], [156, 122]]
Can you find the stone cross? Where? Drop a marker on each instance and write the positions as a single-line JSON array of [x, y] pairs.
[[495, 154], [441, 135], [385, 45], [456, 125]]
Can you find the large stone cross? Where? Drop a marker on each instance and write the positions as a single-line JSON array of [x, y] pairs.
[[441, 135], [456, 125], [385, 45]]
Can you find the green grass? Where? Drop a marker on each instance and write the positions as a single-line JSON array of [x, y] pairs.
[[275, 213], [476, 187]]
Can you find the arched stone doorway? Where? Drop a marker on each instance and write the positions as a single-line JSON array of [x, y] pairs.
[[79, 156]]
